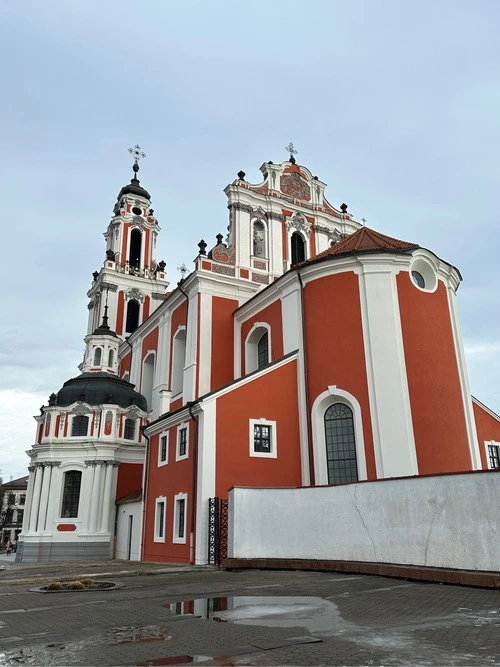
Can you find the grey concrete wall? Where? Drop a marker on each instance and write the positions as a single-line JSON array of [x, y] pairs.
[[448, 521]]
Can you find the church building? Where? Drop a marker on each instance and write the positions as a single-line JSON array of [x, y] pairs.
[[303, 349]]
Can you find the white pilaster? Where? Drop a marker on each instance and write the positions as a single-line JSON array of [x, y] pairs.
[[106, 500], [206, 476], [96, 497], [190, 366], [35, 502], [205, 363], [394, 444]]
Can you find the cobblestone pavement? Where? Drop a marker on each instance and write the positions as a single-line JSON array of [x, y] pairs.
[[359, 620]]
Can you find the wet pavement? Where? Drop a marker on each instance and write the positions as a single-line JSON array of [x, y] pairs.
[[180, 615]]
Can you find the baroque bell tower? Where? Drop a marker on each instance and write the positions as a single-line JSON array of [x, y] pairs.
[[134, 283]]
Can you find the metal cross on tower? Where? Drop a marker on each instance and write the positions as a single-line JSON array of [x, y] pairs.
[[291, 149], [136, 152]]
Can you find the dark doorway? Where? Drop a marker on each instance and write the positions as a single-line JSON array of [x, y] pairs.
[[298, 248], [134, 257]]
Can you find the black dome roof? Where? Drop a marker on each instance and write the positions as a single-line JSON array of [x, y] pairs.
[[134, 188], [98, 388]]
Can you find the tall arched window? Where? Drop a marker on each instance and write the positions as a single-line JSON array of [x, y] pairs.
[[132, 321], [148, 373], [259, 239], [135, 247], [111, 358], [178, 361], [263, 351], [71, 493], [298, 248], [97, 356], [340, 444]]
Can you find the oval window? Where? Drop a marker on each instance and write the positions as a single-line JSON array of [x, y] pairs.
[[418, 279]]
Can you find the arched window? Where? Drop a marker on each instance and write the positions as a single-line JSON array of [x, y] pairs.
[[148, 373], [79, 426], [263, 351], [111, 358], [259, 239], [132, 321], [71, 493], [178, 361], [97, 356], [340, 444], [258, 347], [298, 248], [135, 247]]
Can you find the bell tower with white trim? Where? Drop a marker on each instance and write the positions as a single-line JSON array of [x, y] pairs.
[[134, 282]]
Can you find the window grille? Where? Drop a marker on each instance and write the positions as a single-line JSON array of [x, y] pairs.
[[129, 430], [262, 438], [263, 351], [71, 493], [160, 518], [494, 456], [340, 444]]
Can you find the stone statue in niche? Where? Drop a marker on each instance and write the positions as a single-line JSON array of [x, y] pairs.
[[259, 243]]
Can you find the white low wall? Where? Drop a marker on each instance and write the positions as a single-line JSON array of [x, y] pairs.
[[449, 521]]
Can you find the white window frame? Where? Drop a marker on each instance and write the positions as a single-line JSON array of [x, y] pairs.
[[178, 457], [157, 536], [160, 461], [178, 364], [175, 538], [487, 444], [273, 454]]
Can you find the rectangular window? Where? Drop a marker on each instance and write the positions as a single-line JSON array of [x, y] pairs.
[[182, 442], [160, 520], [11, 499], [22, 498], [129, 430], [20, 516], [163, 450], [494, 456], [263, 438], [79, 426], [180, 518]]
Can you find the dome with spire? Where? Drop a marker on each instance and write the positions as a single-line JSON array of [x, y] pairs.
[[134, 187], [100, 388]]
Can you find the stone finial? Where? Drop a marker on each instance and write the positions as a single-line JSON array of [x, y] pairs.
[[219, 238], [343, 208], [95, 275], [52, 399], [162, 265], [241, 175], [202, 246]]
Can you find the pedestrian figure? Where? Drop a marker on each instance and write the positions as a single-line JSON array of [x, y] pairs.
[[8, 547]]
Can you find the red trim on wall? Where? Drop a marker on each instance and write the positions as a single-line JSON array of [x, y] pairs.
[[145, 308], [222, 362], [119, 313]]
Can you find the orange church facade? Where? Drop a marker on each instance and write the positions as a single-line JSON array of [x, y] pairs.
[[304, 349]]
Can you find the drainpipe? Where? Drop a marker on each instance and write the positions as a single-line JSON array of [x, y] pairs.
[[194, 482], [145, 492], [131, 353], [310, 449]]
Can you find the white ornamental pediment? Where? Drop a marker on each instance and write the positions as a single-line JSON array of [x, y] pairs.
[[81, 409], [300, 223], [134, 293]]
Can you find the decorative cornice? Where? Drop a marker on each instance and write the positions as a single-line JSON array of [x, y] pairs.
[[109, 286], [158, 296]]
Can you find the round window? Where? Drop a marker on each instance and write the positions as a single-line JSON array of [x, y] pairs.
[[418, 279], [137, 211]]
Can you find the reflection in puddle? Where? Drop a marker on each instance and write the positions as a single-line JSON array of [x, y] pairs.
[[175, 660], [313, 613]]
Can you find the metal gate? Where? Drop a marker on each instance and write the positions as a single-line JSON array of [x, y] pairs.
[[217, 530]]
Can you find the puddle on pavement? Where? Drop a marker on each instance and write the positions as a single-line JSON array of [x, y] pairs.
[[313, 613], [177, 660], [144, 633]]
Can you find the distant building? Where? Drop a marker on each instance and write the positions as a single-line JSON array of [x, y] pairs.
[[303, 349], [12, 505]]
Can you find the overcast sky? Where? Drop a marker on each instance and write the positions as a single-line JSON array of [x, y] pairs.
[[395, 104]]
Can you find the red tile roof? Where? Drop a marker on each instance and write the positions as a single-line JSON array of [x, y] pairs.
[[361, 241]]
